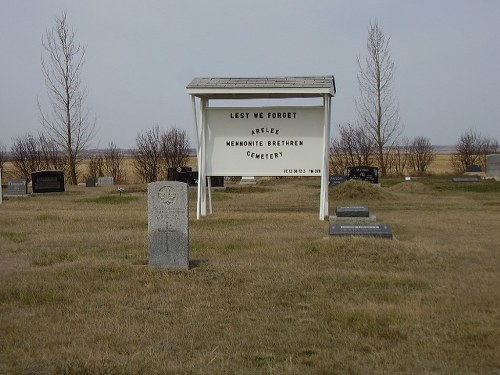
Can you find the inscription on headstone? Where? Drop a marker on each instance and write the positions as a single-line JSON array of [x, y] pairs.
[[17, 187], [168, 224], [47, 181], [363, 173], [105, 181], [382, 230], [493, 166]]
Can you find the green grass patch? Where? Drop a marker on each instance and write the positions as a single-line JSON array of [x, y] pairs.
[[111, 199], [16, 237], [29, 295], [47, 217]]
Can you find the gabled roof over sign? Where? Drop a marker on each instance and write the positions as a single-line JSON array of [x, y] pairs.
[[262, 87]]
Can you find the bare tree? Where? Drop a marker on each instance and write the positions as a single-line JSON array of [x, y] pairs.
[[30, 153], [113, 163], [147, 156], [95, 166], [353, 147], [397, 160], [421, 154], [472, 148], [174, 148], [376, 108], [67, 124], [3, 155]]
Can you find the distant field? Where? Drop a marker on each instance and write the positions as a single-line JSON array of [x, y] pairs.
[[272, 292], [440, 166]]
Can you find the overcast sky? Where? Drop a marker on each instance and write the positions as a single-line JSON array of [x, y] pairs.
[[141, 55]]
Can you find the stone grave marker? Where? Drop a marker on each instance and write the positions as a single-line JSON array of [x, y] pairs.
[[465, 179], [90, 182], [363, 173], [51, 181], [105, 181], [493, 166], [381, 230], [168, 224], [474, 168], [17, 187], [248, 180], [352, 214], [352, 211], [336, 179]]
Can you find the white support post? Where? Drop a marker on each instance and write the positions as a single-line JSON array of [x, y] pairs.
[[198, 155], [323, 210], [202, 177]]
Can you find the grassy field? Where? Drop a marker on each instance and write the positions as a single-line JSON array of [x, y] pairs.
[[270, 292]]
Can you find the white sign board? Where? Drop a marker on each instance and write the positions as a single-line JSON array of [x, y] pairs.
[[265, 141]]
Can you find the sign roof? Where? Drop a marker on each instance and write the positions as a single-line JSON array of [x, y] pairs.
[[262, 87]]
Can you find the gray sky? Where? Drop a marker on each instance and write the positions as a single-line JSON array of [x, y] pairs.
[[142, 54]]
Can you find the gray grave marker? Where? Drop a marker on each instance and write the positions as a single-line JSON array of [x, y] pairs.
[[384, 231], [493, 166], [465, 179], [105, 181], [17, 187], [168, 224]]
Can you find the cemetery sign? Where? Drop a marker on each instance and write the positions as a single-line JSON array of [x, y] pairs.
[[262, 141]]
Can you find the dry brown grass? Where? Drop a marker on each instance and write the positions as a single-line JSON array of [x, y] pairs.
[[271, 292]]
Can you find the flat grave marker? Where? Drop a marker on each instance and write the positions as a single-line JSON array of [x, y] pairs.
[[465, 179], [381, 230], [352, 211]]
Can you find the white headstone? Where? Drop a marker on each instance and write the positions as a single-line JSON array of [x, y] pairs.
[[168, 224], [493, 166], [248, 180], [105, 181]]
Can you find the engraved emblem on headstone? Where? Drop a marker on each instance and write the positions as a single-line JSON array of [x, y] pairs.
[[167, 195]]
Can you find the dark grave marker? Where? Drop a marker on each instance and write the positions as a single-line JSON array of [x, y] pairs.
[[337, 179], [382, 230], [47, 181], [90, 182], [354, 211], [17, 187], [473, 168], [363, 173]]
